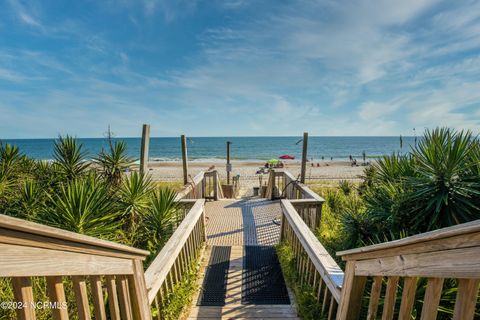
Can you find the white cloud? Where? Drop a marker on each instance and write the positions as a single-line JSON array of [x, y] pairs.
[[374, 110], [24, 15]]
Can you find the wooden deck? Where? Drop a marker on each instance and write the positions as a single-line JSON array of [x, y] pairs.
[[237, 223]]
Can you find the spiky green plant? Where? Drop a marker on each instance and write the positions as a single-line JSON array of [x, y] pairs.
[[83, 205], [444, 191], [160, 217], [70, 157], [31, 200], [114, 161], [133, 199], [345, 186]]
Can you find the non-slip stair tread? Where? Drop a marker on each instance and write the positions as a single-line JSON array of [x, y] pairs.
[[262, 281], [214, 288]]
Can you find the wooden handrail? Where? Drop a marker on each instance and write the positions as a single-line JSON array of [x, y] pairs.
[[449, 253], [32, 250], [157, 272], [38, 235], [312, 261], [191, 187], [330, 272], [438, 240]]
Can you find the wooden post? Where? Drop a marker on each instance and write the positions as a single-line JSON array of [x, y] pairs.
[[144, 148], [228, 162], [352, 293], [184, 159], [304, 157]]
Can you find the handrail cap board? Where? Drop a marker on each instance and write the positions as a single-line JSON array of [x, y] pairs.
[[188, 187], [305, 189], [461, 229], [11, 223]]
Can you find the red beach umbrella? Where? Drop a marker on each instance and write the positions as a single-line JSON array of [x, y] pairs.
[[286, 157]]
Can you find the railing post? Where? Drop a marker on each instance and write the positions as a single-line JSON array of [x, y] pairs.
[[184, 159], [304, 157], [138, 293], [144, 148], [228, 162], [352, 292], [215, 186], [318, 215]]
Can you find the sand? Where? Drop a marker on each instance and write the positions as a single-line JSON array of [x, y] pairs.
[[327, 171]]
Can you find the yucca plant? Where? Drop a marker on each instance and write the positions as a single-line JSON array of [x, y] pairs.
[[10, 159], [31, 200], [446, 187], [83, 205], [114, 161], [133, 200], [160, 217], [69, 157], [345, 186]]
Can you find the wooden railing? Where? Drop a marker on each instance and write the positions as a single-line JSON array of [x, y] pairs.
[[449, 253], [30, 251], [177, 257], [313, 263], [282, 184], [204, 185]]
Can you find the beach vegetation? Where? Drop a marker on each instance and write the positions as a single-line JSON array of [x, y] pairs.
[[70, 157], [98, 196], [435, 185], [114, 161]]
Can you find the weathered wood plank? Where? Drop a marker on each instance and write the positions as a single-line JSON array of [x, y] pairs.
[[112, 298], [390, 298], [23, 294], [374, 297], [10, 223], [466, 299], [408, 298], [20, 261], [56, 294], [432, 298], [465, 230], [352, 293], [97, 295], [455, 263], [81, 297]]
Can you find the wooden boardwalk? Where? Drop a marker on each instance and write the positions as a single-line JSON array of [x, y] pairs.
[[237, 223]]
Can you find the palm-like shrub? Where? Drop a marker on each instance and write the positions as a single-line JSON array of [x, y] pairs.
[[83, 205], [133, 200], [70, 157], [436, 185], [114, 162], [446, 187], [345, 186], [160, 217], [10, 159]]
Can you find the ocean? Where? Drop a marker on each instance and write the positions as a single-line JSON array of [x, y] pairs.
[[242, 148]]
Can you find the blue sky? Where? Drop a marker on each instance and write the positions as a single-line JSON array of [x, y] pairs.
[[238, 67]]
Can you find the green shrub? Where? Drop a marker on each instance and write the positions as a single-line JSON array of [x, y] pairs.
[[345, 186]]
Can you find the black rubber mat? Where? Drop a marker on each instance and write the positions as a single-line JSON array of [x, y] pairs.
[[214, 285], [263, 281]]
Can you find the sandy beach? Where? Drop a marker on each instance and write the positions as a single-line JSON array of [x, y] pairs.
[[323, 172]]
